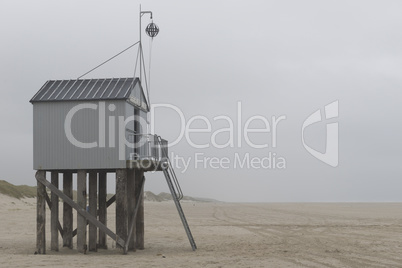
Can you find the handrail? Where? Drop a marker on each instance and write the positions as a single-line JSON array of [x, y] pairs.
[[138, 145], [157, 144], [170, 169]]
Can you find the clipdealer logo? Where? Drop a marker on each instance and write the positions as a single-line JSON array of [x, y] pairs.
[[330, 156], [238, 131]]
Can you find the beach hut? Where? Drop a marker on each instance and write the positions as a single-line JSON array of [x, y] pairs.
[[89, 128]]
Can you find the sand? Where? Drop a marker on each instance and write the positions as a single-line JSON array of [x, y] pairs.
[[227, 235]]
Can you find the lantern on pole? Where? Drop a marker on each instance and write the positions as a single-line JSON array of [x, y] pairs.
[[152, 30]]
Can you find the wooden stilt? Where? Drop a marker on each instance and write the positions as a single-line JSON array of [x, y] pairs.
[[49, 204], [54, 213], [129, 210], [82, 202], [93, 208], [121, 203], [131, 205], [82, 211], [40, 214], [68, 211], [139, 225], [139, 237], [102, 208]]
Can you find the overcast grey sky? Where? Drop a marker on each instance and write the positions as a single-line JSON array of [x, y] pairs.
[[275, 57]]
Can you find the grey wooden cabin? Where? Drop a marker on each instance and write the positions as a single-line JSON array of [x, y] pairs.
[[80, 124], [88, 128]]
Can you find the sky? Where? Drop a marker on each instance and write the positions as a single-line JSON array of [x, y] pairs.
[[214, 60]]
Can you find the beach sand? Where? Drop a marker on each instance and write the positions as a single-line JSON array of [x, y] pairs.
[[227, 235]]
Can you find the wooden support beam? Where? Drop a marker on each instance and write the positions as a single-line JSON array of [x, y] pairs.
[[81, 211], [68, 210], [111, 201], [132, 222], [108, 203], [102, 195], [93, 208], [130, 208], [40, 213], [139, 236], [82, 203], [121, 203], [49, 204], [54, 213]]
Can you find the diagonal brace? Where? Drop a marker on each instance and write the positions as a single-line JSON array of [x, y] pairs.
[[49, 203], [108, 203], [80, 210]]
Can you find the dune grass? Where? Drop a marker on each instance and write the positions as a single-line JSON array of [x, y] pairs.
[[17, 191]]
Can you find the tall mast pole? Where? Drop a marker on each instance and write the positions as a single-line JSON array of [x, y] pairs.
[[140, 47], [141, 58], [141, 14]]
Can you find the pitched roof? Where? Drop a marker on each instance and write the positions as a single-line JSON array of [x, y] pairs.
[[86, 89]]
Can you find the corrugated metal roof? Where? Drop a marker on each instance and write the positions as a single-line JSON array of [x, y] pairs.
[[85, 89]]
